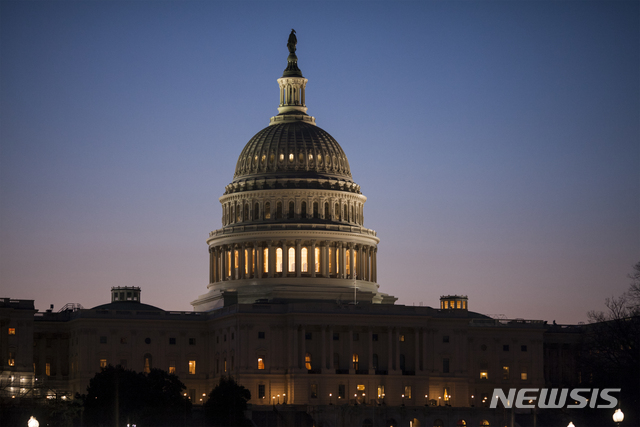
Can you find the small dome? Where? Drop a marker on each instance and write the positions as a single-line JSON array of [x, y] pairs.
[[294, 149]]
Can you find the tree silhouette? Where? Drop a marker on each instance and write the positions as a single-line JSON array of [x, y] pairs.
[[226, 404]]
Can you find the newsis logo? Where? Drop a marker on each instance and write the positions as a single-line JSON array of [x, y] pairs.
[[550, 398]]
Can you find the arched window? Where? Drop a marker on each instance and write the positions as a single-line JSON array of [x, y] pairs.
[[267, 210], [402, 362], [233, 214], [292, 209], [355, 361], [353, 218], [336, 213], [238, 212], [256, 212], [304, 254], [265, 260], [345, 215], [279, 260], [375, 361], [438, 423], [246, 212], [307, 361], [292, 260], [147, 363], [315, 209], [461, 423], [303, 210], [485, 423], [260, 363], [317, 260], [279, 210], [327, 214]]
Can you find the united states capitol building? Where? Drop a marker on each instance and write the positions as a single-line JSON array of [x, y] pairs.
[[293, 310]]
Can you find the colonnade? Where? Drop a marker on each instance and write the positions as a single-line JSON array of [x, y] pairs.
[[297, 258]]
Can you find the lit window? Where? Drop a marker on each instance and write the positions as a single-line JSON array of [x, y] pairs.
[[505, 372], [307, 361], [172, 366], [260, 363], [523, 374], [458, 304], [446, 304], [12, 359], [147, 363], [103, 363], [291, 158], [246, 261], [236, 258], [348, 266], [192, 367], [292, 260], [360, 387], [380, 391], [407, 392], [12, 331], [447, 396], [265, 260], [279, 260], [317, 260], [355, 361], [305, 263], [402, 338], [225, 364], [47, 369], [483, 375], [281, 157], [464, 305]]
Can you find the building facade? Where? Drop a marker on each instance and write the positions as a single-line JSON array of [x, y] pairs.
[[292, 310]]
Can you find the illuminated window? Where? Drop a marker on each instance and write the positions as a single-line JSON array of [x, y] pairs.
[[505, 372], [225, 364], [292, 260], [317, 260], [47, 369], [348, 266], [458, 304], [147, 363], [236, 258], [464, 305], [304, 254], [265, 260], [291, 158], [103, 363], [281, 157], [407, 392], [260, 363], [461, 423], [246, 261], [11, 361], [523, 374], [484, 423], [192, 367], [307, 361], [331, 260], [12, 331], [355, 361], [314, 391], [279, 260], [360, 387], [267, 210], [446, 305], [483, 375], [380, 391], [172, 366], [446, 396], [402, 338], [228, 263]]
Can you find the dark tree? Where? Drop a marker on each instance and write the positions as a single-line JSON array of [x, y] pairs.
[[226, 404], [611, 351], [152, 399]]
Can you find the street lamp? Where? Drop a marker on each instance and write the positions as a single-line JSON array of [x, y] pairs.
[[426, 402], [403, 400], [330, 399], [33, 422], [571, 424], [618, 416]]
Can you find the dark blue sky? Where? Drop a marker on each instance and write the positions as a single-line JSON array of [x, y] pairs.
[[497, 142]]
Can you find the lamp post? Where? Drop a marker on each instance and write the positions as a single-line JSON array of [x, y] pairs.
[[426, 402], [330, 399], [618, 416], [403, 400]]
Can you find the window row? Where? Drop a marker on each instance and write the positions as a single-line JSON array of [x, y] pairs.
[[237, 212], [125, 340], [289, 160], [147, 365], [308, 261], [524, 373]]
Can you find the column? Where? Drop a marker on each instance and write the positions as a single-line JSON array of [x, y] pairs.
[[223, 262], [303, 346], [324, 260], [416, 357], [343, 261], [259, 260], [330, 364], [374, 268], [323, 356], [241, 261], [299, 258], [285, 258], [389, 349], [352, 267], [371, 368], [272, 258], [250, 262], [313, 258], [211, 259]]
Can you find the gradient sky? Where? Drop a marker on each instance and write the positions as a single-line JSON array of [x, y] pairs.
[[497, 142]]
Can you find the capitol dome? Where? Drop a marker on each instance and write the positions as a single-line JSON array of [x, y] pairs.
[[293, 149], [292, 218]]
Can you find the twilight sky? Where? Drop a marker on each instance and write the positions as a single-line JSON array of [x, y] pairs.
[[498, 143]]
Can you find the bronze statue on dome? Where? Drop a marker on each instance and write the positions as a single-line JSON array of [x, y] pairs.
[[292, 42]]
